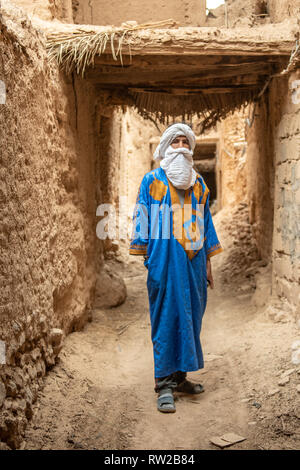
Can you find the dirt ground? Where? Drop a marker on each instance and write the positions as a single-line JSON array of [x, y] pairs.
[[100, 395]]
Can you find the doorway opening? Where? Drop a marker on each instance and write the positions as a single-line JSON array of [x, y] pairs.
[[205, 164]]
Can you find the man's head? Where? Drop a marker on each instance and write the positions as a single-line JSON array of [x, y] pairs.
[[177, 135]]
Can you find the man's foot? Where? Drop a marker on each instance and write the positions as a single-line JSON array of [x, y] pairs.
[[188, 387], [165, 401]]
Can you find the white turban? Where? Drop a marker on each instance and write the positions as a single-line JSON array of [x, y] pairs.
[[170, 134], [177, 163]]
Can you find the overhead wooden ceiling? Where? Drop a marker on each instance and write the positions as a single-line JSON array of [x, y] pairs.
[[179, 85], [186, 74], [175, 71]]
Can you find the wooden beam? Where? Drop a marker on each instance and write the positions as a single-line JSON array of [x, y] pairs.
[[183, 91], [196, 41], [144, 76], [184, 87], [174, 62], [213, 41]]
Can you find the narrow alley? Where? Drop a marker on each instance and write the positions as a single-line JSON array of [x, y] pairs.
[[87, 90]]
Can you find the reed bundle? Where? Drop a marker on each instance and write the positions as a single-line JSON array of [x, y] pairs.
[[76, 49]]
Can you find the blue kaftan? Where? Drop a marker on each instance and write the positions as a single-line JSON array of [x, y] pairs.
[[178, 242]]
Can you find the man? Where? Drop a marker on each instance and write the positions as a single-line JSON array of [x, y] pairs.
[[173, 229]]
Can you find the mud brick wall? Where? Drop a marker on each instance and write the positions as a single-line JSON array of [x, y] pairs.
[[48, 243], [273, 184], [285, 100]]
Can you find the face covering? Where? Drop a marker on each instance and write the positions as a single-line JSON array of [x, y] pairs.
[[178, 166]]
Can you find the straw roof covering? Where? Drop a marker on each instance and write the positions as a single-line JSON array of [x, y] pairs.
[[168, 72]]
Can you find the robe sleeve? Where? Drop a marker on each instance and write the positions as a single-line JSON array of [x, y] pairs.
[[211, 243], [140, 230]]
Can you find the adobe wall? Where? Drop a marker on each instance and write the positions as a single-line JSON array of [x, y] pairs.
[[50, 254], [285, 113], [273, 175], [101, 12], [274, 185]]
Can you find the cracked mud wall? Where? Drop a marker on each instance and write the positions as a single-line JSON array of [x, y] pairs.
[[101, 12], [50, 255]]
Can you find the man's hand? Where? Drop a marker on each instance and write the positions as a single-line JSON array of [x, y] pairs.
[[209, 274]]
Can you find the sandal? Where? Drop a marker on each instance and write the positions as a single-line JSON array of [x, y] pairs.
[[165, 401], [188, 387]]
